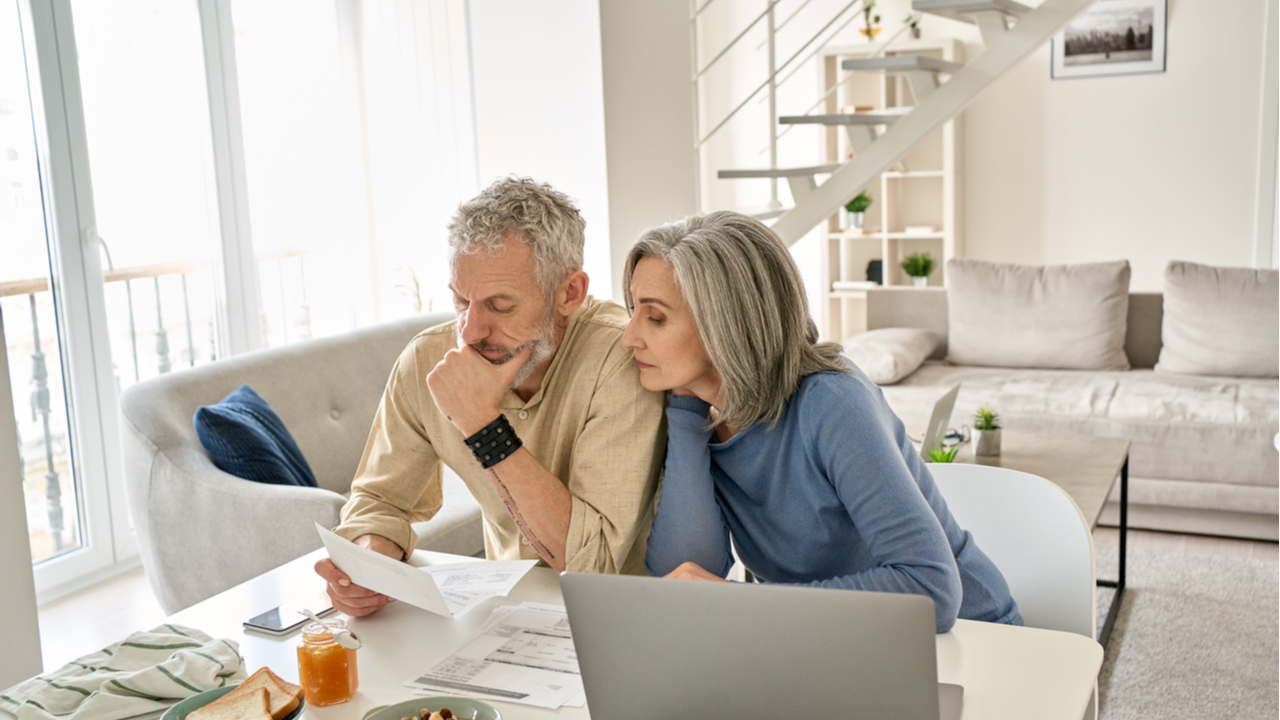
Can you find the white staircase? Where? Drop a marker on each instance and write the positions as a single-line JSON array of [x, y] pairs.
[[861, 127], [1010, 31], [921, 72]]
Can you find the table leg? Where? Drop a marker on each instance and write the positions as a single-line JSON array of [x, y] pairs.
[[1118, 584]]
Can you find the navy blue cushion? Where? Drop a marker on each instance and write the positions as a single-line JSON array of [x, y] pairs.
[[247, 439]]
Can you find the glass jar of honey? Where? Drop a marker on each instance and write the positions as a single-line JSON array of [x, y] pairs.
[[327, 670]]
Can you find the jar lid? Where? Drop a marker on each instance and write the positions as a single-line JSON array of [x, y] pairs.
[[321, 632]]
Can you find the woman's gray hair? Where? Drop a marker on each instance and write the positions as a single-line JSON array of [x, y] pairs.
[[750, 308], [545, 217]]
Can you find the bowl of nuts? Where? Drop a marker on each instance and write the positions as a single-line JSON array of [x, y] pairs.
[[437, 708]]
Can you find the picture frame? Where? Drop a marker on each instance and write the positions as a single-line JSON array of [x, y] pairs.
[[1113, 37]]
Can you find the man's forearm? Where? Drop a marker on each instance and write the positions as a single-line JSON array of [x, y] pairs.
[[538, 502]]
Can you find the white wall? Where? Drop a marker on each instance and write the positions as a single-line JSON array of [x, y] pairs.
[[1148, 168], [648, 111], [540, 107]]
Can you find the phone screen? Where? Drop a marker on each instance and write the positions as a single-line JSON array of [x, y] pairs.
[[284, 619]]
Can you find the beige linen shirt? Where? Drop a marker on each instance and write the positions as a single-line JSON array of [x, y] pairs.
[[592, 425]]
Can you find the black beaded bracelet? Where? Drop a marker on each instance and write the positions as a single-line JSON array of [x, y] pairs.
[[494, 443]]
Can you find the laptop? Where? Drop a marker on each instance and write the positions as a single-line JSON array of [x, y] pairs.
[[937, 427], [653, 648]]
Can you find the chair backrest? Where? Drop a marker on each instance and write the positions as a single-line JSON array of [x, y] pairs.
[[326, 392], [1035, 534], [21, 657]]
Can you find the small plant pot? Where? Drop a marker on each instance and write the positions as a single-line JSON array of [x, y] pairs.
[[986, 443], [923, 281], [855, 220], [915, 33]]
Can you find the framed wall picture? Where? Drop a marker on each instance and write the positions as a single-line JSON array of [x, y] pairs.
[[1113, 37]]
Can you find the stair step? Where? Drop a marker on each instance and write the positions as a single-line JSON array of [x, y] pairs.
[[963, 10], [884, 117], [764, 213], [778, 172], [902, 63]]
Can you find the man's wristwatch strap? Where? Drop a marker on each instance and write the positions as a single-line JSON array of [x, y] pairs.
[[494, 443]]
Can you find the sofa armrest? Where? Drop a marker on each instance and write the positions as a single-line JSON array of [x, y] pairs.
[[201, 530]]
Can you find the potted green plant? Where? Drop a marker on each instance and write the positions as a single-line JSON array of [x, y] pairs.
[[918, 266], [913, 22], [986, 432], [856, 208], [940, 454]]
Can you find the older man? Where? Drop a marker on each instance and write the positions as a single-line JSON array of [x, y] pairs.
[[529, 396]]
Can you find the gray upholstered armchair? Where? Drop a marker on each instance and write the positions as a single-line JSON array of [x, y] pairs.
[[200, 530]]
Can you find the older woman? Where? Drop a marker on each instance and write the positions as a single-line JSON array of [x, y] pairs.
[[776, 441]]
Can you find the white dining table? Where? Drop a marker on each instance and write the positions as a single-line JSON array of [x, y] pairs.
[[1007, 672]]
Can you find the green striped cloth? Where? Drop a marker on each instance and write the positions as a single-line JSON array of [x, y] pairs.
[[135, 679]]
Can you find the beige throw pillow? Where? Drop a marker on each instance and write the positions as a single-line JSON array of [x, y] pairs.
[[1220, 321], [1070, 317], [889, 354]]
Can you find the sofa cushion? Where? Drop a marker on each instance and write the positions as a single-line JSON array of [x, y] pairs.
[[246, 438], [889, 354], [1183, 427], [1220, 321], [1026, 316]]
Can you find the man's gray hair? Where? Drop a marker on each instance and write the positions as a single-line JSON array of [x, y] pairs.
[[749, 305], [545, 218]]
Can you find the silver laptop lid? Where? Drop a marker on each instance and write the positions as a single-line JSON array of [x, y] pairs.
[[651, 648], [937, 428]]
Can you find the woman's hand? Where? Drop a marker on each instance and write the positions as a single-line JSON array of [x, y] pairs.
[[693, 571]]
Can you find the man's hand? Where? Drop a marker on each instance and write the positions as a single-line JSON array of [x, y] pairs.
[[467, 388], [693, 571], [349, 598]]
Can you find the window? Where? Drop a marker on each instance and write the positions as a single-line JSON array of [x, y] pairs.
[[125, 244]]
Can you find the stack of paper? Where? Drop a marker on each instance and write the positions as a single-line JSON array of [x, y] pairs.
[[522, 654], [447, 590]]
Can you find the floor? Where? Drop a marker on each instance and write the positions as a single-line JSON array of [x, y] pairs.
[[93, 618]]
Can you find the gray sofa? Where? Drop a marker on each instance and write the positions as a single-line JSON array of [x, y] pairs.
[[200, 530], [1203, 458]]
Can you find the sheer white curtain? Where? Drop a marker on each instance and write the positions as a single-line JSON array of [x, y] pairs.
[[359, 144]]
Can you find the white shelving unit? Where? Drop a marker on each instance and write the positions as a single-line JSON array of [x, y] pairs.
[[923, 192]]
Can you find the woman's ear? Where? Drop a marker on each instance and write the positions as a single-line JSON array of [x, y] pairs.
[[571, 293]]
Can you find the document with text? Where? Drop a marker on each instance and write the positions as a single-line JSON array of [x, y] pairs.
[[448, 590], [522, 654]]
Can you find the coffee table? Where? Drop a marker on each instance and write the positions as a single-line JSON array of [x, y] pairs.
[[1007, 672], [1086, 468]]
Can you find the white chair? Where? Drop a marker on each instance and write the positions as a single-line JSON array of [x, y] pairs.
[[1035, 533]]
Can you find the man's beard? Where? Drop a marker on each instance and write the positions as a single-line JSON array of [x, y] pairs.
[[543, 348]]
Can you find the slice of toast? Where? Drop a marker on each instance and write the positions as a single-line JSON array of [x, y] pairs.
[[282, 697], [289, 696], [250, 705]]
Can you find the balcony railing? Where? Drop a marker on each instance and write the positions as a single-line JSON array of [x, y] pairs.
[[157, 301]]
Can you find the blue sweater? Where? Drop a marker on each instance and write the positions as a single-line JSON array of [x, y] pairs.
[[833, 496]]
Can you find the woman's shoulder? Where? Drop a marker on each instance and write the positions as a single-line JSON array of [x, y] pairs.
[[849, 397], [829, 385]]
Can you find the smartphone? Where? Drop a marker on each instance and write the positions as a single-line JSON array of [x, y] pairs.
[[284, 619]]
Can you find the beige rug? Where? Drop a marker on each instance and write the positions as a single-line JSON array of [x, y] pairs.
[[1196, 637]]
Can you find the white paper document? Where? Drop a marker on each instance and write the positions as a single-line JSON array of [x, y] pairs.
[[448, 590], [522, 654]]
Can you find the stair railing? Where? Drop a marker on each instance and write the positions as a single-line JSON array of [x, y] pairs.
[[770, 83]]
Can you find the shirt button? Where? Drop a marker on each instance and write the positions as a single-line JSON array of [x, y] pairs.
[[524, 414], [334, 413]]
